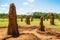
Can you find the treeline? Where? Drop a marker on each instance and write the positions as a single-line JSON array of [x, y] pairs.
[[3, 15], [33, 15]]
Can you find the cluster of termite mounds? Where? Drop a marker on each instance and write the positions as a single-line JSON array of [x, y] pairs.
[[42, 27], [13, 26]]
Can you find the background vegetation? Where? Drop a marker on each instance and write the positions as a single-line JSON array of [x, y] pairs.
[[36, 19], [33, 14]]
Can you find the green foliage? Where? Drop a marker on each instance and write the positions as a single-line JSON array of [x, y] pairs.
[[33, 14], [3, 15], [45, 15]]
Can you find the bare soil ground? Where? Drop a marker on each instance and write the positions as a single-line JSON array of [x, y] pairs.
[[31, 33]]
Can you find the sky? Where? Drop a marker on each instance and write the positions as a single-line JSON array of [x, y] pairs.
[[28, 6]]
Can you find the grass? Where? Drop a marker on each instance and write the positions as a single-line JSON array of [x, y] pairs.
[[4, 23]]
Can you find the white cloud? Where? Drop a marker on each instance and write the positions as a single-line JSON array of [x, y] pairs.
[[0, 11], [3, 10], [21, 9], [35, 10], [25, 3], [21, 12], [28, 2], [31, 1], [4, 5]]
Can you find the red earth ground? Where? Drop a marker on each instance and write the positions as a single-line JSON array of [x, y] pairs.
[[31, 33]]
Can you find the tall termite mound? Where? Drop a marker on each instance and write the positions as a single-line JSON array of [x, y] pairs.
[[42, 27], [27, 20], [51, 18], [12, 26]]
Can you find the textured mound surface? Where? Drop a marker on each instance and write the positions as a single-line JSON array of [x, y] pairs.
[[31, 34], [27, 36]]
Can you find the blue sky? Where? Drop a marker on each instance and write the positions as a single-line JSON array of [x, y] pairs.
[[26, 6]]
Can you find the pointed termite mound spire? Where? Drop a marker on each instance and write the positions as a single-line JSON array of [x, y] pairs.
[[51, 18], [12, 26], [42, 27]]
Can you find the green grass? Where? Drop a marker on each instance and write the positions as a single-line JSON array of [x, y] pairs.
[[4, 22]]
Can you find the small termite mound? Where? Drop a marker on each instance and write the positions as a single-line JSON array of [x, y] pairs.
[[27, 20], [51, 18]]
